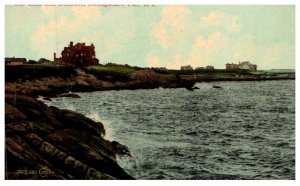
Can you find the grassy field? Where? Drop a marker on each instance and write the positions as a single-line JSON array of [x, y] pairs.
[[112, 72], [113, 69]]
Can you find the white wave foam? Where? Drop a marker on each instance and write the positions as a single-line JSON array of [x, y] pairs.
[[106, 124], [42, 99]]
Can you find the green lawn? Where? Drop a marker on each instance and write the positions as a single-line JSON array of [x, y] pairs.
[[113, 69]]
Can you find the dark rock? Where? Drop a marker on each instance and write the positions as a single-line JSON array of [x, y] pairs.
[[120, 149], [50, 143], [91, 150], [47, 98], [93, 174], [77, 166], [72, 95], [80, 122], [19, 127], [35, 139], [32, 108], [190, 88], [59, 154], [41, 128], [47, 148], [14, 148], [215, 86], [13, 114]]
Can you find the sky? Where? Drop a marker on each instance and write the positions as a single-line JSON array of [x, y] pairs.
[[157, 36]]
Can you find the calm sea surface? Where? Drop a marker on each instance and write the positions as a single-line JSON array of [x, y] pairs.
[[244, 130]]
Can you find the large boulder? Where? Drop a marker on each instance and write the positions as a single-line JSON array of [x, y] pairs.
[[145, 76], [71, 95]]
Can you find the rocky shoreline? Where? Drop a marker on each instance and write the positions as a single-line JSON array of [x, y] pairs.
[[81, 81], [84, 82], [49, 143]]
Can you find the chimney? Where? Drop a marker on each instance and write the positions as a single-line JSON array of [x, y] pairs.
[[71, 43], [54, 56]]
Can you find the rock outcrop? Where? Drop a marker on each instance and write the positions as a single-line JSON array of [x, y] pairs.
[[44, 142], [84, 82], [71, 95], [151, 79]]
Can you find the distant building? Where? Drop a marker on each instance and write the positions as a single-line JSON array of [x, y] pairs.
[[232, 66], [79, 55], [188, 67], [246, 65], [15, 61]]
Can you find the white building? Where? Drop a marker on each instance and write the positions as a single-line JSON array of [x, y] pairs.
[[245, 65]]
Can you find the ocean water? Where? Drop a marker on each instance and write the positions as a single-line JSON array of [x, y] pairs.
[[244, 130]]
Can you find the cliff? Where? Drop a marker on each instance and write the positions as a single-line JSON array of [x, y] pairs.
[[44, 142]]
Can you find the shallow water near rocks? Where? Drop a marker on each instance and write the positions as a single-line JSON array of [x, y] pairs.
[[244, 130]]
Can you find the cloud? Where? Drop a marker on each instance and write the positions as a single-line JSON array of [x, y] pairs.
[[49, 11], [170, 29], [279, 54], [233, 24], [210, 43], [86, 13], [212, 19], [110, 33], [244, 48], [107, 45], [154, 62], [82, 24], [197, 44], [47, 35], [219, 20], [177, 35], [217, 39], [59, 30], [19, 18], [206, 51], [176, 63]]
